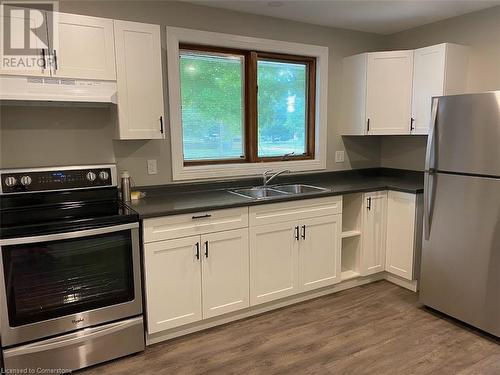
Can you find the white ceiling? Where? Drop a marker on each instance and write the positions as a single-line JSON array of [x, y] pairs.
[[376, 16]]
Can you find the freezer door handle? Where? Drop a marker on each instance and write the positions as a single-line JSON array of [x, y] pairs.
[[428, 203], [431, 156]]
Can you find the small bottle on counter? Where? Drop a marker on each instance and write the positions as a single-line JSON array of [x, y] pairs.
[[126, 186]]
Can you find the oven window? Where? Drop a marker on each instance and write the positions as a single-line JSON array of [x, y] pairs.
[[51, 279]]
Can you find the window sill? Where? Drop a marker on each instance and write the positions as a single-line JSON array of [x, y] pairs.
[[197, 172]]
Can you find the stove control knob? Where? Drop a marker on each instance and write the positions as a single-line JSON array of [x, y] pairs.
[[91, 176], [10, 181], [103, 175], [26, 180]]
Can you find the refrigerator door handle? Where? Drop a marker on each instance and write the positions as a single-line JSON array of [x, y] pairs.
[[430, 158], [428, 203]]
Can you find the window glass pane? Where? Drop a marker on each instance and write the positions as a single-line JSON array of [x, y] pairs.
[[282, 107], [212, 105]]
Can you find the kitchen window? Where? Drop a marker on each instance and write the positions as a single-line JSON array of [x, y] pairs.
[[245, 106], [241, 105]]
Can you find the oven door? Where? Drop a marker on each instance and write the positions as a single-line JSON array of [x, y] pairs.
[[58, 283]]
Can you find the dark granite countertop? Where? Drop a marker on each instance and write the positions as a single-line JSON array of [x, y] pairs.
[[202, 196]]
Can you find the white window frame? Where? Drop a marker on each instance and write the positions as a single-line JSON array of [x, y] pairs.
[[175, 36]]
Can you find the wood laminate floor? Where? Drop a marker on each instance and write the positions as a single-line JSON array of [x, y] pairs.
[[378, 328]]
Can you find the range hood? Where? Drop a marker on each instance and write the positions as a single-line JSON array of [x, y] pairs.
[[58, 91]]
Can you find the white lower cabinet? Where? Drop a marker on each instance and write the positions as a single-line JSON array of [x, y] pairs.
[[224, 272], [319, 251], [373, 233], [288, 248], [173, 283], [273, 261], [293, 256], [400, 247], [195, 277]]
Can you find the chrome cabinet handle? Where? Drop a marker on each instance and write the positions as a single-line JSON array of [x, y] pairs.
[[303, 232], [369, 200], [297, 232]]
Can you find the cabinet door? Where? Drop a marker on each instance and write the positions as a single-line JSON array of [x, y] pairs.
[[225, 272], [17, 19], [273, 262], [86, 48], [428, 81], [139, 80], [389, 90], [373, 233], [319, 251], [173, 283], [400, 234]]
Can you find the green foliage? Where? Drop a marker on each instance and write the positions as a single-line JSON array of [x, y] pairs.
[[212, 106]]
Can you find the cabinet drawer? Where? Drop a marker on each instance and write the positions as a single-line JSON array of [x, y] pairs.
[[176, 226], [287, 211]]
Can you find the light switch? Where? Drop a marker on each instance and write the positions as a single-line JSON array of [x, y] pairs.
[[339, 156], [152, 166]]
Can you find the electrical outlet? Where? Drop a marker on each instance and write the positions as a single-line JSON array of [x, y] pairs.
[[152, 166], [339, 156]]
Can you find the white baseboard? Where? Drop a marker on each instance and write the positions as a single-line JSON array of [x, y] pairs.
[[408, 284], [259, 309]]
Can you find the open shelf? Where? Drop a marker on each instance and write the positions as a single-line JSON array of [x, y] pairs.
[[350, 258], [349, 274], [351, 213], [350, 233]]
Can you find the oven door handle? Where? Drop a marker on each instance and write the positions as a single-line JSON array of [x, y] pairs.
[[67, 235], [72, 338]]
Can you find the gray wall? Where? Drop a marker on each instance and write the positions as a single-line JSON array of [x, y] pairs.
[[36, 136], [479, 30], [41, 131]]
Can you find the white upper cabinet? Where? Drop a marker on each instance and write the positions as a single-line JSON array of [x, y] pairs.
[[17, 20], [437, 70], [388, 92], [82, 47], [86, 48], [376, 92], [139, 80]]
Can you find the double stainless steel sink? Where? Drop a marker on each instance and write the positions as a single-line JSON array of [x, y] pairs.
[[268, 192]]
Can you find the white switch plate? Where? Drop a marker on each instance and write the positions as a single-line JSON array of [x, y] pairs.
[[339, 156], [152, 166]]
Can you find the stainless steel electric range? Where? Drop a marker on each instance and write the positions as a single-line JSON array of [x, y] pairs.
[[70, 284]]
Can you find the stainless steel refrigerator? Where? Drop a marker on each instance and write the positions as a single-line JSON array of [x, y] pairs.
[[460, 270]]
